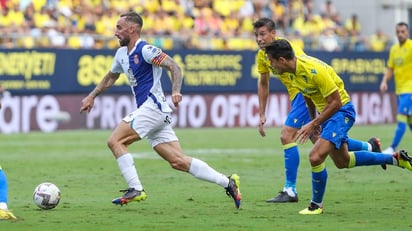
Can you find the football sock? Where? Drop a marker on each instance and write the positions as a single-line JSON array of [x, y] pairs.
[[290, 191], [203, 171], [291, 158], [129, 172], [319, 178], [357, 145], [3, 190], [400, 130], [366, 158]]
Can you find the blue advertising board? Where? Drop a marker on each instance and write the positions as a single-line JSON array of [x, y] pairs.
[[57, 71]]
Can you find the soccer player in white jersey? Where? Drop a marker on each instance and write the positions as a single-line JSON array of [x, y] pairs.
[[142, 63]]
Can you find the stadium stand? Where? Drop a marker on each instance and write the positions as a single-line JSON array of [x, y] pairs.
[[179, 24]]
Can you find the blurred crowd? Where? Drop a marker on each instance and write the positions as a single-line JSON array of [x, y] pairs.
[[180, 24]]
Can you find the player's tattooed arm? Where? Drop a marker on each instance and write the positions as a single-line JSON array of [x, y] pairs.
[[175, 72], [108, 80], [176, 75]]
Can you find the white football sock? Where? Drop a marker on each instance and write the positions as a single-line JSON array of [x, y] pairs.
[[129, 172], [369, 147], [3, 206], [289, 191], [203, 171]]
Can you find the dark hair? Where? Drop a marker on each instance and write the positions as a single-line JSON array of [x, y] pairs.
[[269, 23], [280, 48], [133, 17], [403, 24]]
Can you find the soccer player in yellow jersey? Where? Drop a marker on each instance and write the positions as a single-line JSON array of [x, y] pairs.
[[400, 66], [265, 33], [331, 111]]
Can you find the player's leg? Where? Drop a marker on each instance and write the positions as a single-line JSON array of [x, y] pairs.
[[172, 152], [332, 141], [372, 145], [5, 214], [399, 132], [317, 158], [345, 159], [404, 108], [297, 116], [165, 142], [127, 132], [291, 163]]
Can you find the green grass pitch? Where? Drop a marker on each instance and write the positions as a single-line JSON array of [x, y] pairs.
[[81, 165]]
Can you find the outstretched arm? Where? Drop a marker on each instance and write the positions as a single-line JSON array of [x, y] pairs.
[[108, 80]]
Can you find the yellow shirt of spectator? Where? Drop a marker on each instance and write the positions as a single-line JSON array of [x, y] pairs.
[[317, 80], [263, 66], [400, 60]]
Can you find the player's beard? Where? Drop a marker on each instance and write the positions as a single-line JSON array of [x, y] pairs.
[[125, 41]]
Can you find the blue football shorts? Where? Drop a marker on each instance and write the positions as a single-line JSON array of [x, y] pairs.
[[299, 114], [336, 128], [405, 104]]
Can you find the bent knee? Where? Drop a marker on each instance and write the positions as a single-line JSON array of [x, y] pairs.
[[110, 142], [286, 136], [315, 160]]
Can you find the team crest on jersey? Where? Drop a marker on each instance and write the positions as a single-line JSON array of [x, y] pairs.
[[136, 59]]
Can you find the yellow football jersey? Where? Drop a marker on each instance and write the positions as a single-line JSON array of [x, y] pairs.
[[317, 80], [400, 60], [263, 66]]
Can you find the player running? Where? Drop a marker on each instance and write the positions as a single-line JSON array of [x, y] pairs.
[[324, 92], [142, 63], [265, 33]]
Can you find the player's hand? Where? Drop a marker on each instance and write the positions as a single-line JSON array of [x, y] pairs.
[[303, 134], [262, 127], [176, 98], [87, 104], [384, 86]]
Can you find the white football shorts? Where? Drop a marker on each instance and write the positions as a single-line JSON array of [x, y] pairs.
[[148, 121]]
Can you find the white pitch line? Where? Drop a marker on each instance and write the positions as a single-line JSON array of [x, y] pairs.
[[213, 152]]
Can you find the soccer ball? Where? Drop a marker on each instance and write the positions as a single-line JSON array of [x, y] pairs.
[[46, 195]]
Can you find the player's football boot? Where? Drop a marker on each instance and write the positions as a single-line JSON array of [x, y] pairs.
[[313, 209], [129, 195], [233, 189], [376, 147], [404, 161], [6, 215], [283, 197]]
